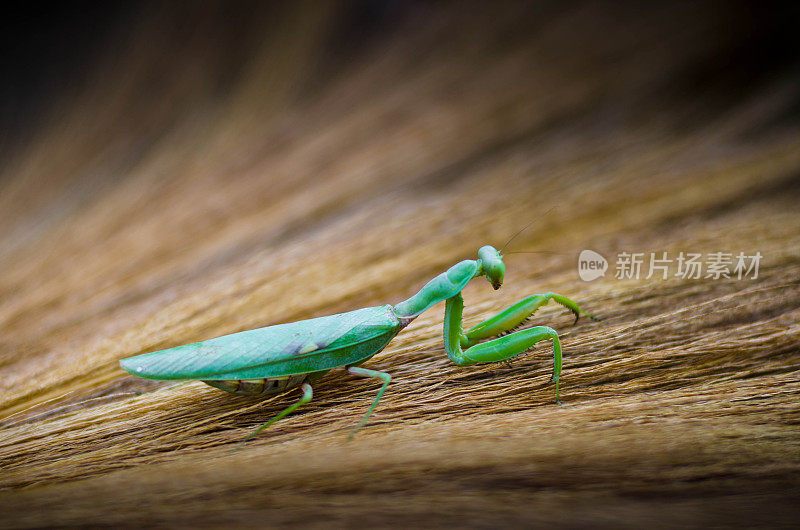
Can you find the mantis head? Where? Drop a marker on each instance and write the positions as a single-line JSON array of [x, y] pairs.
[[492, 266]]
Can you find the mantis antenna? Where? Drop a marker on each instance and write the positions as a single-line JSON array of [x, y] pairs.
[[525, 228], [537, 252]]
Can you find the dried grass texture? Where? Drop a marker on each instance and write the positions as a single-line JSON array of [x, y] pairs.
[[215, 190]]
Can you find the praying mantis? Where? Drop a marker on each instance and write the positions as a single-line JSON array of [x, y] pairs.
[[284, 356]]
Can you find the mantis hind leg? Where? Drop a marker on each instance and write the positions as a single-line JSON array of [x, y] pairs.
[[501, 348], [364, 372], [308, 393]]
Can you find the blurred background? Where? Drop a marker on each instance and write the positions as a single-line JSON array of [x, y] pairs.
[[174, 171]]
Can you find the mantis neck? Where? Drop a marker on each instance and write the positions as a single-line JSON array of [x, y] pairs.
[[440, 288]]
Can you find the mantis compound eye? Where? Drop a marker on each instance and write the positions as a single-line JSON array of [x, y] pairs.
[[492, 265]]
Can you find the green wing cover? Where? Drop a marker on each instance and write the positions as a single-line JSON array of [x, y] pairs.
[[285, 349]]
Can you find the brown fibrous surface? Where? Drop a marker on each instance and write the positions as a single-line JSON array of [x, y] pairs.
[[269, 169]]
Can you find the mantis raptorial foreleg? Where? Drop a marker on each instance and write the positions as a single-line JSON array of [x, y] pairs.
[[356, 370], [504, 347], [308, 393], [516, 315]]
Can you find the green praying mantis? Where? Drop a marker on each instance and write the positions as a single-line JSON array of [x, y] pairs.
[[277, 358]]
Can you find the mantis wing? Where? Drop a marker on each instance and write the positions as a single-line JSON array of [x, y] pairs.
[[285, 349]]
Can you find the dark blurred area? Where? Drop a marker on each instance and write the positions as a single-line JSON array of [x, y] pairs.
[[95, 94], [349, 104], [47, 51], [50, 50]]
